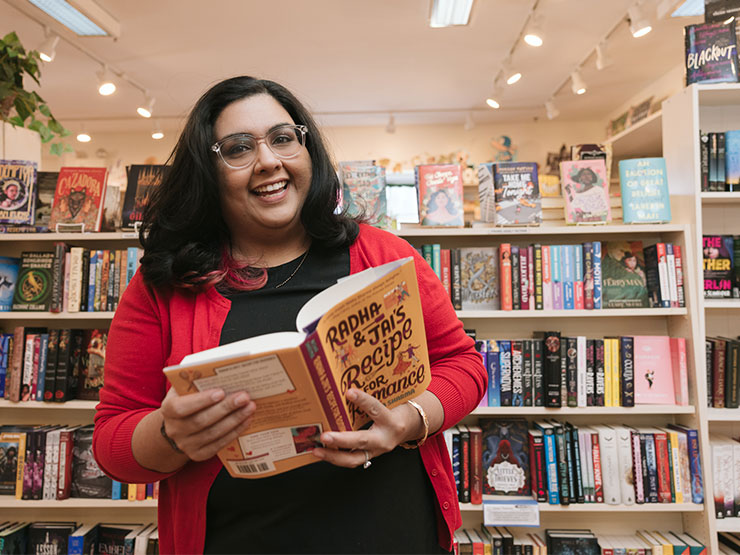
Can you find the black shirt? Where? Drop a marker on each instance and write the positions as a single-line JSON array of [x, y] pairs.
[[318, 508]]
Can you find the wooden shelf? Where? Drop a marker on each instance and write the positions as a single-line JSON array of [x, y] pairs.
[[74, 404], [640, 140], [603, 313], [728, 524], [720, 198], [605, 508], [56, 315], [484, 230], [7, 502], [723, 415], [718, 94], [722, 303], [570, 411], [71, 237]]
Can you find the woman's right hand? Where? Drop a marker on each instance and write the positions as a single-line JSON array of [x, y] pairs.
[[203, 423]]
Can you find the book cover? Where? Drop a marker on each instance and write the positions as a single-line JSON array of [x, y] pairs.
[[90, 380], [517, 193], [644, 186], [586, 191], [479, 285], [46, 184], [49, 537], [78, 198], [17, 191], [33, 289], [624, 281], [710, 53], [336, 349], [440, 194], [12, 459], [141, 181], [486, 194], [718, 253], [9, 267], [87, 479], [505, 457]]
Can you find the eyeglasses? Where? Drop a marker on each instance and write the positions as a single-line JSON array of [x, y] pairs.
[[239, 151]]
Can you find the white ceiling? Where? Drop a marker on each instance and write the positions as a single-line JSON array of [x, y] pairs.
[[352, 61]]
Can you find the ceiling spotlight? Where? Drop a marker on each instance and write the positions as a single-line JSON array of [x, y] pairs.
[[83, 136], [147, 108], [577, 85], [48, 48], [446, 13], [493, 103], [469, 122], [106, 86], [639, 24], [157, 133], [391, 127], [602, 57], [552, 111], [533, 36]]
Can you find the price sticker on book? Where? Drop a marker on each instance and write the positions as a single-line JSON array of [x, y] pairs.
[[511, 512]]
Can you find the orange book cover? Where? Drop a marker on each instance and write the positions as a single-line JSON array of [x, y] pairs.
[[366, 331], [78, 197], [507, 301]]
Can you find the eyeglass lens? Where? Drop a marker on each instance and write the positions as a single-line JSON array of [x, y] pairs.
[[241, 150]]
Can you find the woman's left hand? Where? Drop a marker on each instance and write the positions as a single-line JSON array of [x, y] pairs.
[[389, 428]]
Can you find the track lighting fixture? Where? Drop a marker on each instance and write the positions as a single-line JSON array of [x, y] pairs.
[[391, 126], [602, 57], [469, 122], [157, 133], [552, 111], [639, 24], [534, 35], [48, 49], [83, 136], [146, 109], [577, 85], [513, 77], [106, 86], [493, 103]]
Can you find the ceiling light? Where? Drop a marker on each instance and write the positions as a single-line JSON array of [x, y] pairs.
[[106, 86], [513, 78], [391, 127], [578, 85], [639, 24], [602, 57], [83, 136], [552, 111], [157, 133], [48, 48], [469, 122], [493, 103], [147, 108], [84, 17], [689, 8], [534, 35], [446, 13]]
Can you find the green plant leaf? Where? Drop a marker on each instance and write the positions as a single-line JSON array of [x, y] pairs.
[[56, 149], [16, 121], [35, 125], [56, 127], [44, 109], [46, 135]]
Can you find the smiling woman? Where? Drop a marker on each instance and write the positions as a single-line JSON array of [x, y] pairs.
[[240, 234]]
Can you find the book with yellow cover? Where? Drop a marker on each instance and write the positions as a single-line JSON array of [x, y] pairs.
[[366, 331]]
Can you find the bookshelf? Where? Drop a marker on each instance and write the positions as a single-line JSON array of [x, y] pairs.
[[707, 108]]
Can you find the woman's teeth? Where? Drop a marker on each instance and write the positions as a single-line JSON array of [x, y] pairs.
[[272, 189]]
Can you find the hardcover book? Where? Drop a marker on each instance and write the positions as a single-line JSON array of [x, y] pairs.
[[9, 267], [33, 288], [592, 151], [49, 538], [46, 184], [299, 379], [710, 53], [78, 198], [92, 361], [505, 457], [624, 281], [440, 194], [486, 194], [479, 282], [517, 193], [644, 187], [142, 180], [87, 478], [653, 371], [718, 253], [17, 191], [363, 192], [586, 191]]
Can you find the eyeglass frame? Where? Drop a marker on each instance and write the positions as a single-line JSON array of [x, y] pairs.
[[301, 130]]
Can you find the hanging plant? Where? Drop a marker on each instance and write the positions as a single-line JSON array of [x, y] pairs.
[[20, 107]]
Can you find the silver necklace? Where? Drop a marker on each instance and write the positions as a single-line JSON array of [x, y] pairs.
[[294, 271]]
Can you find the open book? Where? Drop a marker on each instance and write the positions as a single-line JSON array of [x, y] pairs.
[[365, 331]]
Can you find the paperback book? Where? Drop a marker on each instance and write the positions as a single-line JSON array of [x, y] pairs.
[[653, 371], [33, 289], [586, 191], [46, 185], [505, 457], [440, 192], [363, 192], [644, 189], [17, 191], [8, 277], [142, 180], [479, 283], [718, 254], [517, 193], [624, 281], [78, 198], [710, 53]]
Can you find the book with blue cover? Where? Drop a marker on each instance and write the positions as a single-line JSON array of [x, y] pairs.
[[8, 277], [644, 186], [732, 160]]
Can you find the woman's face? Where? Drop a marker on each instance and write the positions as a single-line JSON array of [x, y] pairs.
[[586, 178], [12, 191], [441, 199], [267, 196], [711, 252], [630, 262]]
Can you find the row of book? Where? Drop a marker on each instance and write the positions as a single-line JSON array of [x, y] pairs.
[[588, 276], [561, 464], [555, 371], [725, 475], [729, 542], [721, 272], [52, 365], [70, 279], [56, 462], [502, 540], [72, 538], [723, 372], [720, 161]]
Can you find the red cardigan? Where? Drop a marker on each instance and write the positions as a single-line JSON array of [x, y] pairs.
[[153, 329]]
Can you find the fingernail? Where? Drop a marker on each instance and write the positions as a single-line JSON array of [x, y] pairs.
[[327, 439], [249, 409], [241, 399], [217, 395], [351, 395], [318, 453]]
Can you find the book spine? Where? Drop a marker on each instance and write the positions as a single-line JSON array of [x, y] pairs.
[[596, 458], [709, 363], [516, 297], [697, 482], [456, 278], [590, 374], [572, 371], [524, 263], [506, 370], [597, 275], [437, 260], [732, 379], [494, 374], [704, 161], [665, 296], [551, 368], [27, 382], [27, 482], [718, 375], [444, 257], [21, 466], [563, 484], [507, 302], [672, 279], [581, 371], [43, 361], [517, 371], [624, 462], [600, 385], [652, 276], [557, 277], [578, 294], [679, 275], [117, 281], [627, 354], [60, 377], [578, 470], [57, 277], [721, 160], [546, 278], [588, 276], [110, 284], [530, 277], [538, 299], [64, 481], [568, 277], [132, 263], [616, 371], [98, 280], [75, 279], [85, 289], [538, 377], [527, 371], [609, 465], [476, 465], [651, 461], [551, 467], [464, 465], [676, 474], [122, 279], [679, 364], [537, 466], [637, 468]]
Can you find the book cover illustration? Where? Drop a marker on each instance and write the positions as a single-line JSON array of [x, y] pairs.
[[33, 288], [49, 537], [486, 194], [718, 253], [593, 151], [87, 478], [624, 281], [363, 192], [9, 267], [586, 191], [46, 184], [366, 332], [10, 445], [653, 372], [644, 187], [732, 160], [17, 191], [142, 179], [517, 193], [505, 457], [440, 194], [78, 198], [479, 278], [91, 365], [710, 53]]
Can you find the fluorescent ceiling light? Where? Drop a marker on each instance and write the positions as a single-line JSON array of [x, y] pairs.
[[446, 13], [84, 17], [689, 8]]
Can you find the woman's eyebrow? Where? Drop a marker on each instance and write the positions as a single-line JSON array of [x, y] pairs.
[[243, 133]]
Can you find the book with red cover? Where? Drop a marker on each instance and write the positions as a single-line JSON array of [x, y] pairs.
[[653, 372], [664, 470], [476, 465], [537, 465], [440, 191], [78, 198]]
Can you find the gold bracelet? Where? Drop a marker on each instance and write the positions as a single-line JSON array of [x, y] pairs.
[[419, 442]]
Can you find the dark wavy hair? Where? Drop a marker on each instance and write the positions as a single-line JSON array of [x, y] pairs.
[[186, 240]]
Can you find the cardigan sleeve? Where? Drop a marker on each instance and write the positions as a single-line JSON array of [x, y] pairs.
[[134, 384]]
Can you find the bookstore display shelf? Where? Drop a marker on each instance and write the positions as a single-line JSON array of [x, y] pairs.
[[573, 411], [74, 404], [75, 503], [722, 303], [606, 508], [723, 415], [71, 237], [603, 313], [720, 198], [640, 140], [75, 316], [728, 525], [412, 230]]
